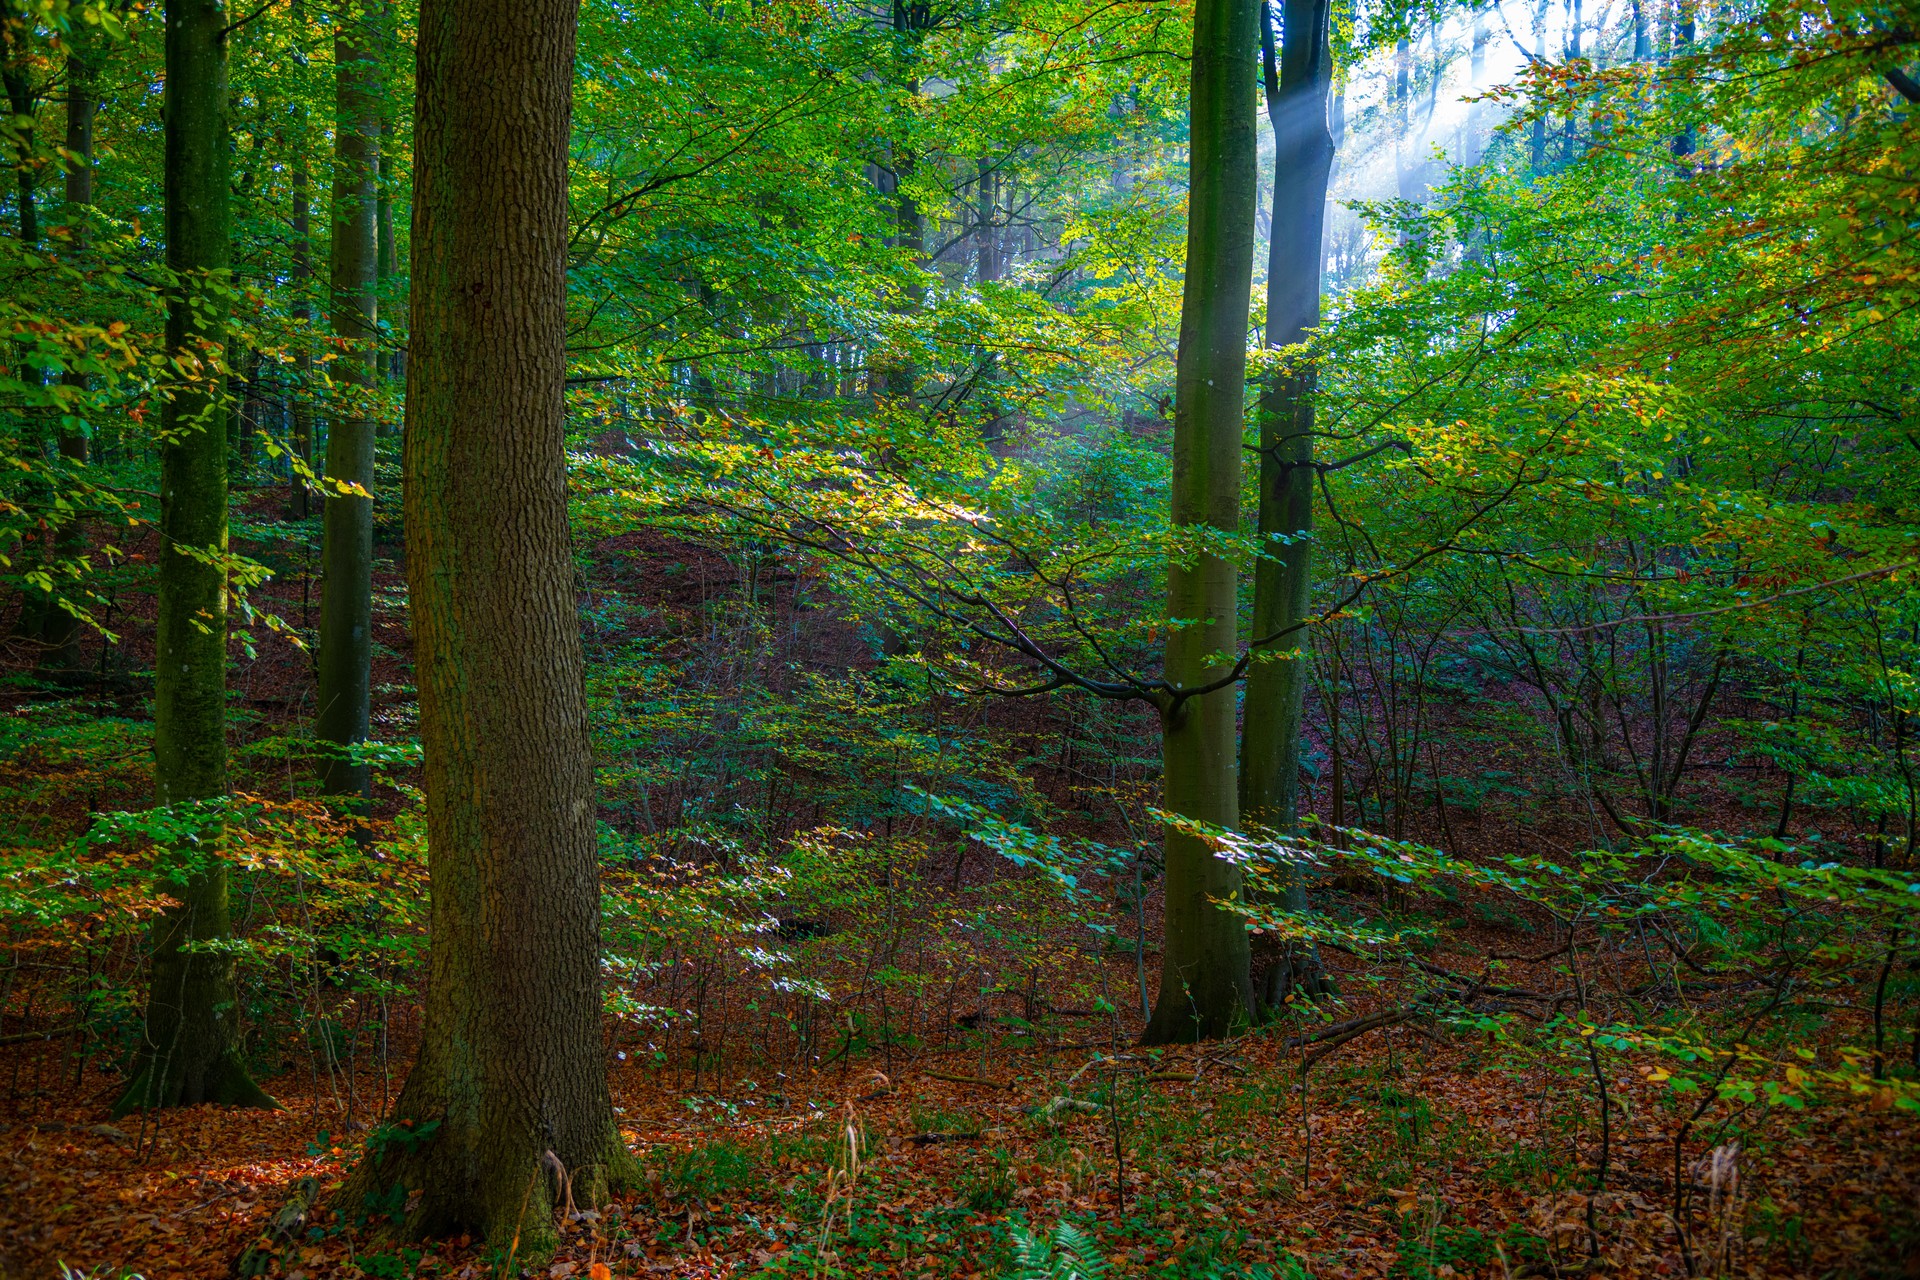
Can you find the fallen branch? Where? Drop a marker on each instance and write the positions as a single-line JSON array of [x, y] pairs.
[[960, 1079], [24, 1037], [1341, 1029], [1333, 1037], [1048, 1110]]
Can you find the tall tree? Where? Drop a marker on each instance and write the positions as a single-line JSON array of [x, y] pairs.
[[300, 406], [1297, 84], [62, 654], [17, 36], [510, 1081], [1204, 984], [189, 1053], [346, 607]]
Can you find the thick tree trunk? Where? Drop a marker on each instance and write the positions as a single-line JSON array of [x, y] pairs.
[[1296, 91], [190, 1050], [510, 1082], [346, 607], [1204, 984]]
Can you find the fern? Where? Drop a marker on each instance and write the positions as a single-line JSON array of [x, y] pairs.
[[1068, 1254]]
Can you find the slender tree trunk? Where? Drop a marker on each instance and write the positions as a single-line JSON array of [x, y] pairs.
[[36, 605], [1682, 145], [1296, 93], [387, 360], [986, 233], [389, 363], [62, 630], [510, 1074], [300, 407], [1204, 984], [1477, 74], [1537, 137], [990, 266], [346, 607], [190, 1051], [1571, 134]]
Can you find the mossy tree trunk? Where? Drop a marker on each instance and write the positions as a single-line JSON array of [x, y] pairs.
[[510, 1081], [1297, 85], [346, 607], [1205, 989], [189, 1053]]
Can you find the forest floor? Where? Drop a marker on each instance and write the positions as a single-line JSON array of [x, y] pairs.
[[1409, 1156], [1410, 1152]]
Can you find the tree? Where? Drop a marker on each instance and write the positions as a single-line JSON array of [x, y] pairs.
[[189, 1053], [346, 608], [1296, 85], [508, 1097], [62, 628], [16, 74], [1204, 982], [300, 306]]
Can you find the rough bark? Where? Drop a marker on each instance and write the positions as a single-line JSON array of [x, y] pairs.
[[509, 1083], [1297, 87], [1205, 989], [189, 1053], [346, 605]]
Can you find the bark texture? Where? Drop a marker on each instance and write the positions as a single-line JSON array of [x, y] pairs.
[[509, 1087], [189, 1053], [346, 607], [1205, 989], [1297, 86]]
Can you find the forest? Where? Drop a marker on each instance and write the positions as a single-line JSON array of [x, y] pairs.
[[945, 639]]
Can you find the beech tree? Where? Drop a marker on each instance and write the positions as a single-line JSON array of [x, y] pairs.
[[1204, 981], [346, 610], [507, 1101], [188, 1052], [1296, 86]]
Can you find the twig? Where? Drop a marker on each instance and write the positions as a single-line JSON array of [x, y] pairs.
[[960, 1079]]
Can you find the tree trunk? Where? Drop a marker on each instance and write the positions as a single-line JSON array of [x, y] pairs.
[[61, 657], [1204, 984], [190, 1051], [299, 407], [346, 606], [36, 605], [510, 1080], [1537, 134], [390, 361], [1296, 92]]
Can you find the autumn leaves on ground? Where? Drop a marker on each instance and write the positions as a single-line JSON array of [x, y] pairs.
[[1411, 1154]]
